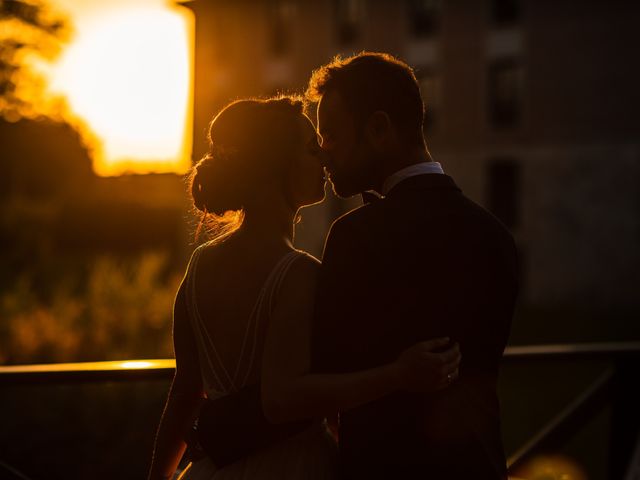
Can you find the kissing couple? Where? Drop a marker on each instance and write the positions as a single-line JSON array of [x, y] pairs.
[[379, 362]]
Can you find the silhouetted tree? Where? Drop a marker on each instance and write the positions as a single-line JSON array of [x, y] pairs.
[[38, 158], [28, 29]]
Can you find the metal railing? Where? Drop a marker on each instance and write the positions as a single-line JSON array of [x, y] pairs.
[[113, 371], [617, 387]]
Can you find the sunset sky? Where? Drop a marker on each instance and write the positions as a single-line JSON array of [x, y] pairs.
[[127, 76]]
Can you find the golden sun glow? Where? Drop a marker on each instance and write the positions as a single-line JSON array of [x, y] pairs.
[[135, 364], [127, 76]]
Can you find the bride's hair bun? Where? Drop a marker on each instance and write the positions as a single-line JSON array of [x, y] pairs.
[[213, 186], [248, 141]]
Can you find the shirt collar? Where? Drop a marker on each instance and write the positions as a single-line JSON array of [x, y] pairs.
[[410, 171]]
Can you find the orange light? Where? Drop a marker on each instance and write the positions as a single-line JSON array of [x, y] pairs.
[[551, 467], [135, 364], [127, 77]]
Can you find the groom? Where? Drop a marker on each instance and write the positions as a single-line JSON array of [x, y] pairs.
[[421, 262]]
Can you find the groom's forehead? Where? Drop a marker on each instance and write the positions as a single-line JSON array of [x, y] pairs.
[[331, 109]]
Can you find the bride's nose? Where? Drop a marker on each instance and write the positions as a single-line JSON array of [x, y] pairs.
[[323, 158]]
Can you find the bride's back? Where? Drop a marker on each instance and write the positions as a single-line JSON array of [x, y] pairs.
[[260, 168], [230, 321]]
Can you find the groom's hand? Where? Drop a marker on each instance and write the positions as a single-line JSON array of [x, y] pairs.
[[429, 366]]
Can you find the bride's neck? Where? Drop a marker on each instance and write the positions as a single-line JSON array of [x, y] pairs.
[[268, 225]]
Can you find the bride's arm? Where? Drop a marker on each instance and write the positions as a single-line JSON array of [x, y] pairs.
[[184, 398], [289, 392]]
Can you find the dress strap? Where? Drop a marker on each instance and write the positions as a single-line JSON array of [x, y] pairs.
[[280, 274], [213, 364], [267, 296]]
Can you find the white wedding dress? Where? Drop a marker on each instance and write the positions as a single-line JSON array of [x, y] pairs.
[[311, 454]]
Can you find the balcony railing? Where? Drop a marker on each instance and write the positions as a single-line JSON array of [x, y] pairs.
[[616, 387], [128, 370]]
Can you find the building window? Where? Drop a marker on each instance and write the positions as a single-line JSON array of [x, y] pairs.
[[430, 89], [424, 17], [505, 93], [505, 12], [504, 190], [349, 14], [281, 24]]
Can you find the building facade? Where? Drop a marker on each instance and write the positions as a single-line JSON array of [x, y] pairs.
[[530, 105]]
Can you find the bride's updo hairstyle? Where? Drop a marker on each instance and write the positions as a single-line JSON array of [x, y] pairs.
[[250, 145]]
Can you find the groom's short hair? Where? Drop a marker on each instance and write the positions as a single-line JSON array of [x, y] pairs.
[[371, 81]]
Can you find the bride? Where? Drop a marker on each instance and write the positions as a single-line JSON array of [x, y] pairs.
[[242, 313]]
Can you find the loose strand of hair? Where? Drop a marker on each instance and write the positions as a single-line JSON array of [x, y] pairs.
[[218, 228]]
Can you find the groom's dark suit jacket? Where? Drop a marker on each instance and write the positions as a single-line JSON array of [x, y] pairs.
[[424, 262]]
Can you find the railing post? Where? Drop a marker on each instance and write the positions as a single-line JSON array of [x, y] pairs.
[[625, 415]]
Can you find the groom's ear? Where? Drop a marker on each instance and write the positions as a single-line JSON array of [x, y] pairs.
[[378, 128]]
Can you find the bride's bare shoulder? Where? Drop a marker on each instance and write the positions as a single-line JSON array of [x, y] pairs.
[[307, 257], [302, 274], [306, 264]]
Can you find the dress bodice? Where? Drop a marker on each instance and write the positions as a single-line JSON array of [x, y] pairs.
[[220, 379]]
